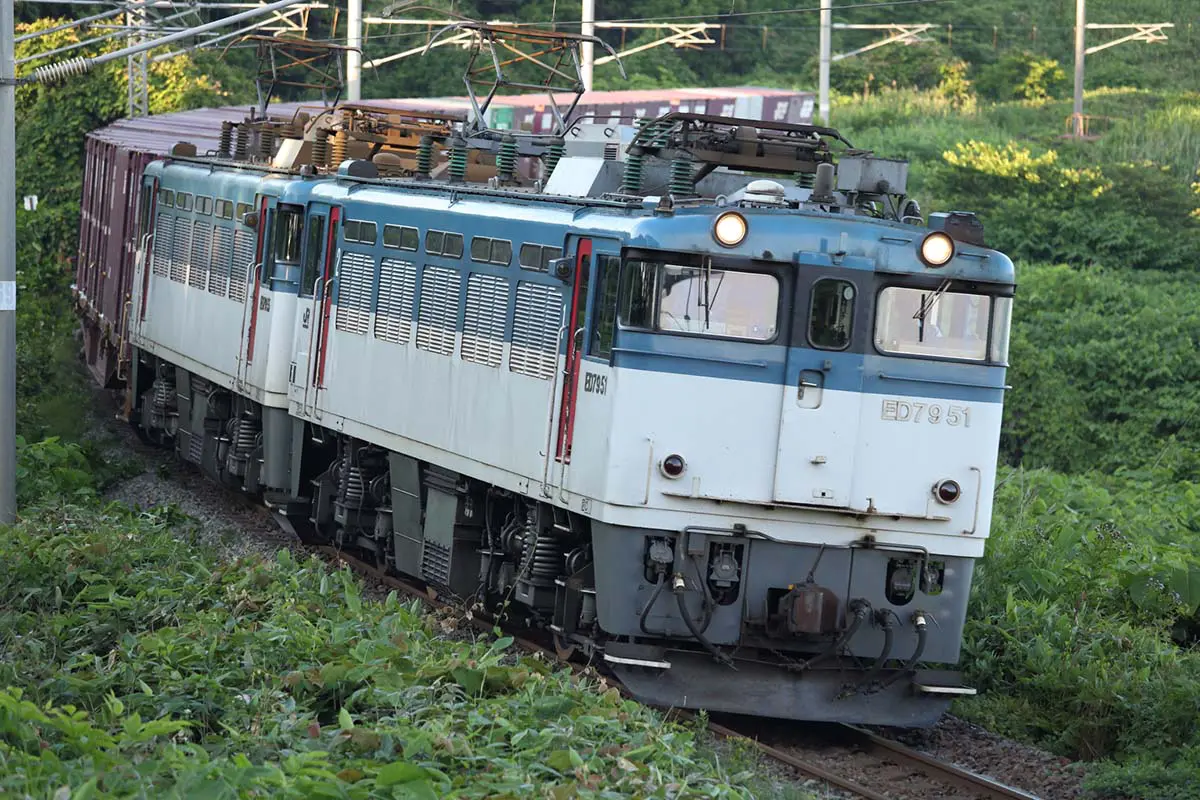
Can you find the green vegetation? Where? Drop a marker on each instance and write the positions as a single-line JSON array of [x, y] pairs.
[[136, 665], [1085, 618]]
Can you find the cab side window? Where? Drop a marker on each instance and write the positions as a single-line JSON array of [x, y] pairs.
[[831, 314], [608, 274], [312, 255]]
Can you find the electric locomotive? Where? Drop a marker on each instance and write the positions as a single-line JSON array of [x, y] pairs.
[[707, 398]]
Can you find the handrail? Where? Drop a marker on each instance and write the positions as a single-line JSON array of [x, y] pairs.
[[550, 413]]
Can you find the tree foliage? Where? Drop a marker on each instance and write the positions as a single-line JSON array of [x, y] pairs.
[[1137, 216], [52, 122]]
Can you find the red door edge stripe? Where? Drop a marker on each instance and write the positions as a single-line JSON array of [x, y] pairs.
[[566, 416]]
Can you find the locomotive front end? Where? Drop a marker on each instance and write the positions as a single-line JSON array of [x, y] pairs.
[[806, 410]]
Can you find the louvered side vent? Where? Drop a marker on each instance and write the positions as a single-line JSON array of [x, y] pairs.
[[438, 317], [435, 563], [397, 285], [164, 231], [201, 240], [355, 279], [194, 450], [485, 320], [610, 151], [222, 258], [243, 262], [179, 249], [536, 325]]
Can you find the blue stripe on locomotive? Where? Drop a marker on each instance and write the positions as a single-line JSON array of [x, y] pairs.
[[810, 241]]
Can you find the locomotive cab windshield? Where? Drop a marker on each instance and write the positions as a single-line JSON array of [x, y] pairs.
[[942, 323], [695, 296]]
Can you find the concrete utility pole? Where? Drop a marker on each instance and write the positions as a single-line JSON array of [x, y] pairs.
[[8, 269], [138, 67], [1080, 51], [354, 24], [826, 54], [586, 52]]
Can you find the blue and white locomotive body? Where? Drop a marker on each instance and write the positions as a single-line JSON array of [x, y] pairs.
[[755, 432]]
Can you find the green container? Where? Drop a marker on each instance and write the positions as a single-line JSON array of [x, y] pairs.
[[501, 117]]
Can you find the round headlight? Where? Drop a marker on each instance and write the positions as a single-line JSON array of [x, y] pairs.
[[937, 249], [730, 229]]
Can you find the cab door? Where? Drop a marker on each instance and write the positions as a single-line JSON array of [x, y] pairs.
[[822, 392], [307, 374], [256, 299], [141, 265]]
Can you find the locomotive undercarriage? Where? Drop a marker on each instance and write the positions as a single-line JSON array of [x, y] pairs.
[[667, 609]]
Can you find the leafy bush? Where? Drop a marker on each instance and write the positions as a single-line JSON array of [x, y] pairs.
[[1021, 75], [138, 666], [51, 471], [1083, 618], [1104, 372]]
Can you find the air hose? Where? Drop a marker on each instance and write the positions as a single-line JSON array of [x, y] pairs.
[[922, 634], [886, 623], [662, 581], [678, 587]]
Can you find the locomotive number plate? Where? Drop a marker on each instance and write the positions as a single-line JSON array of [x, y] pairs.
[[931, 413]]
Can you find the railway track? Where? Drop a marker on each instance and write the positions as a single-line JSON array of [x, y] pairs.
[[947, 780]]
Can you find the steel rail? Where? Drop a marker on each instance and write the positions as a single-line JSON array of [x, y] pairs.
[[938, 770], [800, 765]]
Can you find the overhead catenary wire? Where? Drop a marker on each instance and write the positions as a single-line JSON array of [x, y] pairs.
[[72, 24], [95, 40], [51, 73]]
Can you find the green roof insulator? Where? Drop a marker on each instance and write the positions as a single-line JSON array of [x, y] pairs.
[[424, 156], [458, 161], [805, 179], [631, 182], [506, 159], [683, 183], [552, 156]]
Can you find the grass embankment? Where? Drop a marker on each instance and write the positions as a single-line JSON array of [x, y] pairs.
[[137, 665]]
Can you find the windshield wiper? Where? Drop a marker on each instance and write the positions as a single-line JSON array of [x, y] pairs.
[[926, 307]]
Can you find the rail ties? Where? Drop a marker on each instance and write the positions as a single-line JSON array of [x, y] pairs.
[[937, 770], [801, 765]]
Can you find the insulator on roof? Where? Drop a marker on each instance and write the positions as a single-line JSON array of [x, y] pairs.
[[320, 148], [225, 146], [241, 151]]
